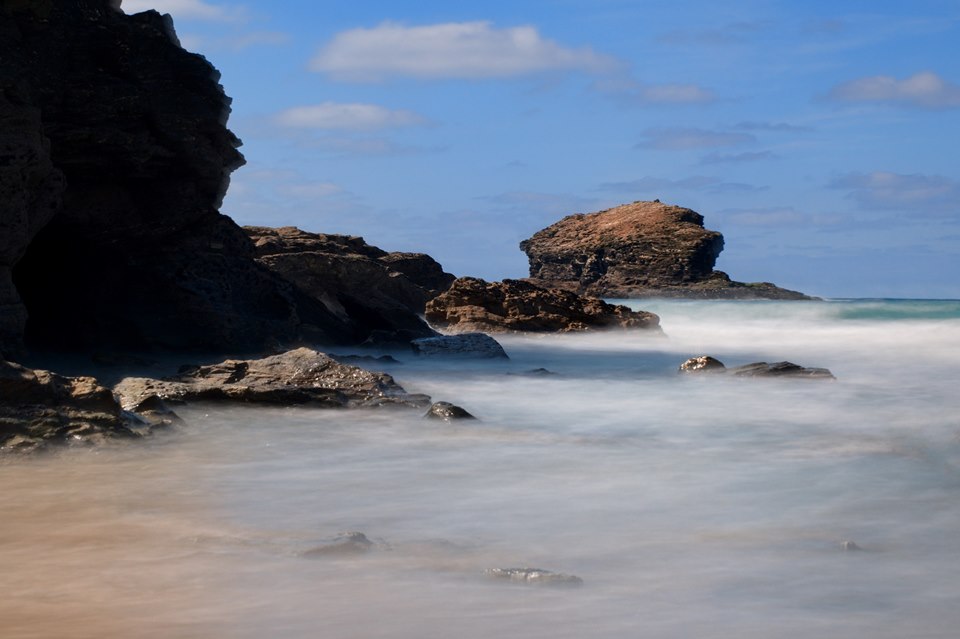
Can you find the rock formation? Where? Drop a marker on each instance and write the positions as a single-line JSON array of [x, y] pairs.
[[466, 345], [471, 304], [300, 376], [644, 249], [114, 159], [39, 408], [362, 285]]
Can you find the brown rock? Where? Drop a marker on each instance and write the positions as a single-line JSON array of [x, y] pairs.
[[703, 364], [300, 376], [644, 249], [472, 304], [39, 408]]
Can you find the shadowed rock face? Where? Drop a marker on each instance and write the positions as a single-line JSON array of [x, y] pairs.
[[644, 249], [361, 284], [472, 304]]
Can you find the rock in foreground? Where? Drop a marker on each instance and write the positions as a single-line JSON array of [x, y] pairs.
[[644, 249], [447, 412], [300, 376], [39, 408], [472, 304]]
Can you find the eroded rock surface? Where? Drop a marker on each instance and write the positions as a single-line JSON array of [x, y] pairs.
[[39, 408], [644, 249], [703, 364], [300, 376], [447, 412], [472, 304]]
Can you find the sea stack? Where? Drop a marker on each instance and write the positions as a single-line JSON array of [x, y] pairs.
[[643, 249]]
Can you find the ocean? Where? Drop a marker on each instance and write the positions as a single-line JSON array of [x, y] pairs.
[[690, 506]]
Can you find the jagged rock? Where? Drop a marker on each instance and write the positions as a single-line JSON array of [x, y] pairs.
[[479, 345], [644, 249], [39, 408], [376, 291], [344, 544], [534, 576], [300, 376], [472, 304], [703, 364], [780, 369], [447, 412]]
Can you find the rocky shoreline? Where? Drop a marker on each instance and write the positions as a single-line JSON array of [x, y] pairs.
[[112, 241]]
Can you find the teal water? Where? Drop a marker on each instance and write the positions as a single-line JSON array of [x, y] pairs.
[[691, 507]]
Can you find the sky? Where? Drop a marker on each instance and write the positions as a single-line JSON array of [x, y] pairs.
[[821, 138]]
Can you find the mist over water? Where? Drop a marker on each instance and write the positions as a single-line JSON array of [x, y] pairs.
[[690, 506]]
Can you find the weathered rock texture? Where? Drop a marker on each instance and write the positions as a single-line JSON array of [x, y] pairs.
[[644, 249], [376, 292], [300, 376], [39, 408], [469, 345], [472, 304]]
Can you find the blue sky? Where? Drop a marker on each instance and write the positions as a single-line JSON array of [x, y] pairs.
[[820, 137]]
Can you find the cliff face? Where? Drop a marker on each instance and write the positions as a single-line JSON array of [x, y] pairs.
[[644, 249], [114, 159]]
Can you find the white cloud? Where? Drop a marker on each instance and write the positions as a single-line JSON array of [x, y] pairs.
[[677, 138], [914, 192], [346, 116], [650, 184], [925, 89], [450, 50], [187, 9]]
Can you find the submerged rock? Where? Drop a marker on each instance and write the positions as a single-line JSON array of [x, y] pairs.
[[780, 369], [39, 408], [479, 345], [707, 364], [643, 249], [447, 412], [534, 576], [300, 376], [343, 545], [472, 304]]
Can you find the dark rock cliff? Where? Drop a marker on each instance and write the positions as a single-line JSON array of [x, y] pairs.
[[644, 249], [114, 159]]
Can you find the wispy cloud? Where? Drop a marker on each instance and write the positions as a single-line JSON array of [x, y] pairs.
[[913, 192], [680, 138], [925, 90], [346, 116], [776, 216], [774, 127], [449, 50], [648, 184], [630, 90], [188, 9], [724, 35], [738, 158]]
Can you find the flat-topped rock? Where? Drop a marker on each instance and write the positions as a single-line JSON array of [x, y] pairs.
[[300, 376], [468, 345], [472, 304], [643, 249], [707, 364]]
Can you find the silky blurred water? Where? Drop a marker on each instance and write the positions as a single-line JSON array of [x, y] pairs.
[[690, 507]]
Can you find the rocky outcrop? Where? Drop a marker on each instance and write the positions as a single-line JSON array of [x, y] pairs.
[[467, 345], [644, 249], [378, 293], [39, 408], [472, 304], [706, 364], [301, 376]]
